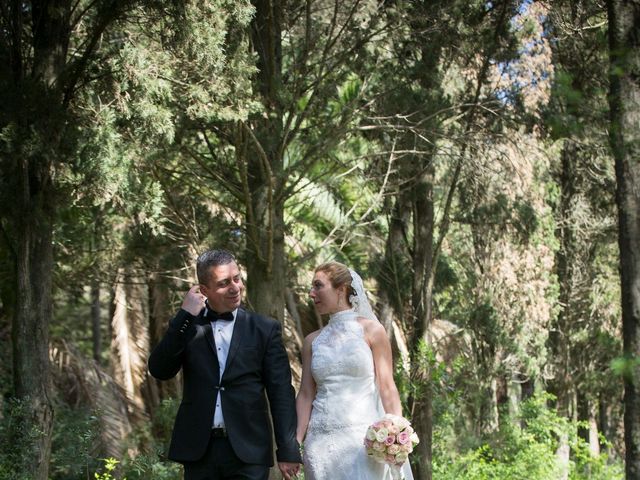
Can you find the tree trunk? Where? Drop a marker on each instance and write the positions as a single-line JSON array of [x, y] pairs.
[[565, 409], [488, 421], [96, 335], [566, 258], [587, 414], [263, 170], [607, 421], [391, 280], [31, 220], [130, 340], [266, 267], [514, 389], [624, 102], [30, 328], [527, 388], [159, 315], [422, 292], [32, 224], [502, 399]]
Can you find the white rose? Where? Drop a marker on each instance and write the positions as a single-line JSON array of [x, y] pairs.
[[382, 434], [379, 456], [401, 457], [402, 423], [378, 447], [393, 449]]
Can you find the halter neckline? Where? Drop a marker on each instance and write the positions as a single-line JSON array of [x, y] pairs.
[[343, 315]]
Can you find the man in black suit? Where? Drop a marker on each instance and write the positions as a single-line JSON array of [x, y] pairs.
[[229, 359]]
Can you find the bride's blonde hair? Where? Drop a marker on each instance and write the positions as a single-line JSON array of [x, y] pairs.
[[338, 275]]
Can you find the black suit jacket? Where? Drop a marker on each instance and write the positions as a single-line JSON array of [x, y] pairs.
[[257, 363]]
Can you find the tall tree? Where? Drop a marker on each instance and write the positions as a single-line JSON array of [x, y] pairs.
[[54, 53], [432, 40], [583, 336], [47, 62], [624, 102]]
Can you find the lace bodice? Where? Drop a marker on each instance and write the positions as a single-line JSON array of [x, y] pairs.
[[342, 367]]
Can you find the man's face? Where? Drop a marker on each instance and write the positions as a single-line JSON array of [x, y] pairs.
[[224, 288]]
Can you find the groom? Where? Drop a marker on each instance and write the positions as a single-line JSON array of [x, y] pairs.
[[229, 359]]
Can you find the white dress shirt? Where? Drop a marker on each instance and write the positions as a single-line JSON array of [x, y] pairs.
[[222, 332]]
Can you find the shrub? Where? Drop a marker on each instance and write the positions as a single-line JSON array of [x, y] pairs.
[[524, 448]]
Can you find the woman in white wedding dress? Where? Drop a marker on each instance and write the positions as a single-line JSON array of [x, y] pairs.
[[347, 381]]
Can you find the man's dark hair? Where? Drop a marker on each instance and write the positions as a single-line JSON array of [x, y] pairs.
[[211, 258]]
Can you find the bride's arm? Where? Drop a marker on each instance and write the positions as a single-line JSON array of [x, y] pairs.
[[383, 362], [307, 391]]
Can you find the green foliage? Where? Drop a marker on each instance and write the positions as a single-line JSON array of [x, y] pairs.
[[145, 466], [110, 465], [533, 462], [75, 449], [75, 435], [625, 367], [152, 462], [441, 378], [75, 438], [14, 440], [524, 448]]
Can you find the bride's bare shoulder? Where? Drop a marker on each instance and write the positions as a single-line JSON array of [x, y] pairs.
[[309, 338], [369, 323], [371, 327]]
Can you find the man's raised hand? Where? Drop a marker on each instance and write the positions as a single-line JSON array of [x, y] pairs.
[[193, 301]]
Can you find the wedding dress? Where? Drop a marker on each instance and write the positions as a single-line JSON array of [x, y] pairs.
[[346, 403]]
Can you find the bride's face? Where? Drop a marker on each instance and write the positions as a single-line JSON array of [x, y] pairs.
[[326, 299]]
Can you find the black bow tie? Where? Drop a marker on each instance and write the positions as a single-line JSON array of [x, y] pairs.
[[213, 316]]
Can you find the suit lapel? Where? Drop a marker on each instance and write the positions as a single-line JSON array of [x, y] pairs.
[[240, 330], [208, 333]]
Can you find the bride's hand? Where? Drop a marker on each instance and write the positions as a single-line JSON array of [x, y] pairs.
[[289, 470]]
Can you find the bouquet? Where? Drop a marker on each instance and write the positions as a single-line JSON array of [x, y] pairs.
[[390, 440]]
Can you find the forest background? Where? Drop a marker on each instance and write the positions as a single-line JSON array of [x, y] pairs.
[[475, 161]]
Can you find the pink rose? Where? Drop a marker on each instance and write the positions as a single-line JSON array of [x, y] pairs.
[[403, 438], [390, 440]]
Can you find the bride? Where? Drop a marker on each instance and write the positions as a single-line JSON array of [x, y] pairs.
[[347, 381]]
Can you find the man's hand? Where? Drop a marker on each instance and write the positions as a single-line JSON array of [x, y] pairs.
[[193, 301], [289, 470]]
